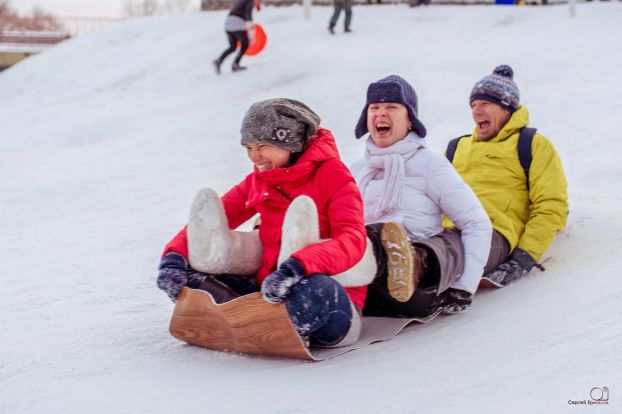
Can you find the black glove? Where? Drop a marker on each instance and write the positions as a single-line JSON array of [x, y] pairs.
[[173, 274], [456, 300], [278, 284], [518, 264]]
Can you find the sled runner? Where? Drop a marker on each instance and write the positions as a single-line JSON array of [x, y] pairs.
[[486, 282], [250, 325]]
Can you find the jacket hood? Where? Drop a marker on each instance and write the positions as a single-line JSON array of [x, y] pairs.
[[320, 147]]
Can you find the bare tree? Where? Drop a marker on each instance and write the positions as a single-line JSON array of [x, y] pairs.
[[5, 7], [178, 6], [135, 8], [7, 15], [41, 20], [38, 20]]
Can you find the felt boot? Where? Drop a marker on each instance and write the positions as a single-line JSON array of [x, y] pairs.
[[212, 247]]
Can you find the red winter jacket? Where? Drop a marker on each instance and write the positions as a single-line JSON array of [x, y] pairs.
[[319, 174]]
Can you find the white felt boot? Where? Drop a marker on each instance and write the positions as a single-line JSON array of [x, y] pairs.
[[301, 228], [212, 247]]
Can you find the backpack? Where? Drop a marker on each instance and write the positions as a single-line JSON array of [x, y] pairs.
[[524, 149]]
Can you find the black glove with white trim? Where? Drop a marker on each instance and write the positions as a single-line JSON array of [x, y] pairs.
[[456, 300], [518, 264], [173, 274], [277, 286]]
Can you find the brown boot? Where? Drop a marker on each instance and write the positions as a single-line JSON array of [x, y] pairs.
[[405, 262], [219, 291]]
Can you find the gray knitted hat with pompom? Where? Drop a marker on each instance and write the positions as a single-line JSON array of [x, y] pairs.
[[498, 88]]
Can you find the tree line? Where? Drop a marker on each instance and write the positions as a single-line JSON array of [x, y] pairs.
[[38, 20]]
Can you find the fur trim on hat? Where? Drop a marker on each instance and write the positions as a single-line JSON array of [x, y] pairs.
[[391, 89]]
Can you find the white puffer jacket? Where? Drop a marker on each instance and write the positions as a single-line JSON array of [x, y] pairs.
[[431, 188]]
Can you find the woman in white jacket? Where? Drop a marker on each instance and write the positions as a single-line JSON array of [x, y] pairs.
[[406, 189]]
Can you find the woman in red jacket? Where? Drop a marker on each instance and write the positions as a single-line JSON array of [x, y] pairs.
[[292, 157]]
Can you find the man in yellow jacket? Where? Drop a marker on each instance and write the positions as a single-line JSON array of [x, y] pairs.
[[526, 212]]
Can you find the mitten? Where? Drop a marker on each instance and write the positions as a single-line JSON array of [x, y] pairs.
[[456, 300], [278, 284], [173, 274], [518, 264]]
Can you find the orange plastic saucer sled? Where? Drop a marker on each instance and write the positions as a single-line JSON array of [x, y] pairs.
[[258, 43]]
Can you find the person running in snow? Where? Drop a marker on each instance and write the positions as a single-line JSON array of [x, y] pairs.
[[292, 156], [340, 5], [526, 212], [240, 16], [406, 189]]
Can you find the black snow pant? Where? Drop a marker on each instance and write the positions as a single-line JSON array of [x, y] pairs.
[[445, 264], [234, 38]]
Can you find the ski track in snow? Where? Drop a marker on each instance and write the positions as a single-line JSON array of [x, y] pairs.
[[105, 140]]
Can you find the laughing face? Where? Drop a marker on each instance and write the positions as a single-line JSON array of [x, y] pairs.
[[489, 118], [267, 157], [387, 123]]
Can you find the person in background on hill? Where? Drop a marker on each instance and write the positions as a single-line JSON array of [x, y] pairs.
[[406, 189], [340, 5], [292, 156], [240, 19], [526, 208]]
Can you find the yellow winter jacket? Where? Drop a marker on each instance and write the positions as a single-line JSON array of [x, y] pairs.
[[527, 219]]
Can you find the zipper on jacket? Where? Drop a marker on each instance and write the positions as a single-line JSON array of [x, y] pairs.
[[283, 193]]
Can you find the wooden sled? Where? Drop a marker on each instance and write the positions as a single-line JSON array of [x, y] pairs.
[[247, 324], [489, 283], [251, 325]]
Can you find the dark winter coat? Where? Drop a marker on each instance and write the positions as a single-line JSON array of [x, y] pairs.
[[319, 174], [243, 9]]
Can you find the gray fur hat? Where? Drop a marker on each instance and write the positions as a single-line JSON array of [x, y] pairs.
[[282, 122], [498, 88]]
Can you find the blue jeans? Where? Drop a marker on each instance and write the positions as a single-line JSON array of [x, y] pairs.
[[320, 309]]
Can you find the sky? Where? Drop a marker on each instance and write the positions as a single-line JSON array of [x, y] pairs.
[[106, 138]]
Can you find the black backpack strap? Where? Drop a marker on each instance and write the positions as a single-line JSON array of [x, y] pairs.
[[452, 146], [524, 149]]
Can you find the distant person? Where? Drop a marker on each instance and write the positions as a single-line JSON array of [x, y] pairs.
[[340, 5], [520, 183], [406, 189], [239, 19]]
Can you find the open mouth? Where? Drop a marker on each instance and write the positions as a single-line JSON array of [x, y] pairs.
[[263, 167], [483, 124], [383, 128]]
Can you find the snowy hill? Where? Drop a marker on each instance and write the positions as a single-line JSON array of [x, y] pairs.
[[105, 139]]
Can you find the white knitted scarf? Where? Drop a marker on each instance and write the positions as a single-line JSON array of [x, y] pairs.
[[389, 161]]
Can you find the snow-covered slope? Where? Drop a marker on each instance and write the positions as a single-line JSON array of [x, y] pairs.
[[105, 139]]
